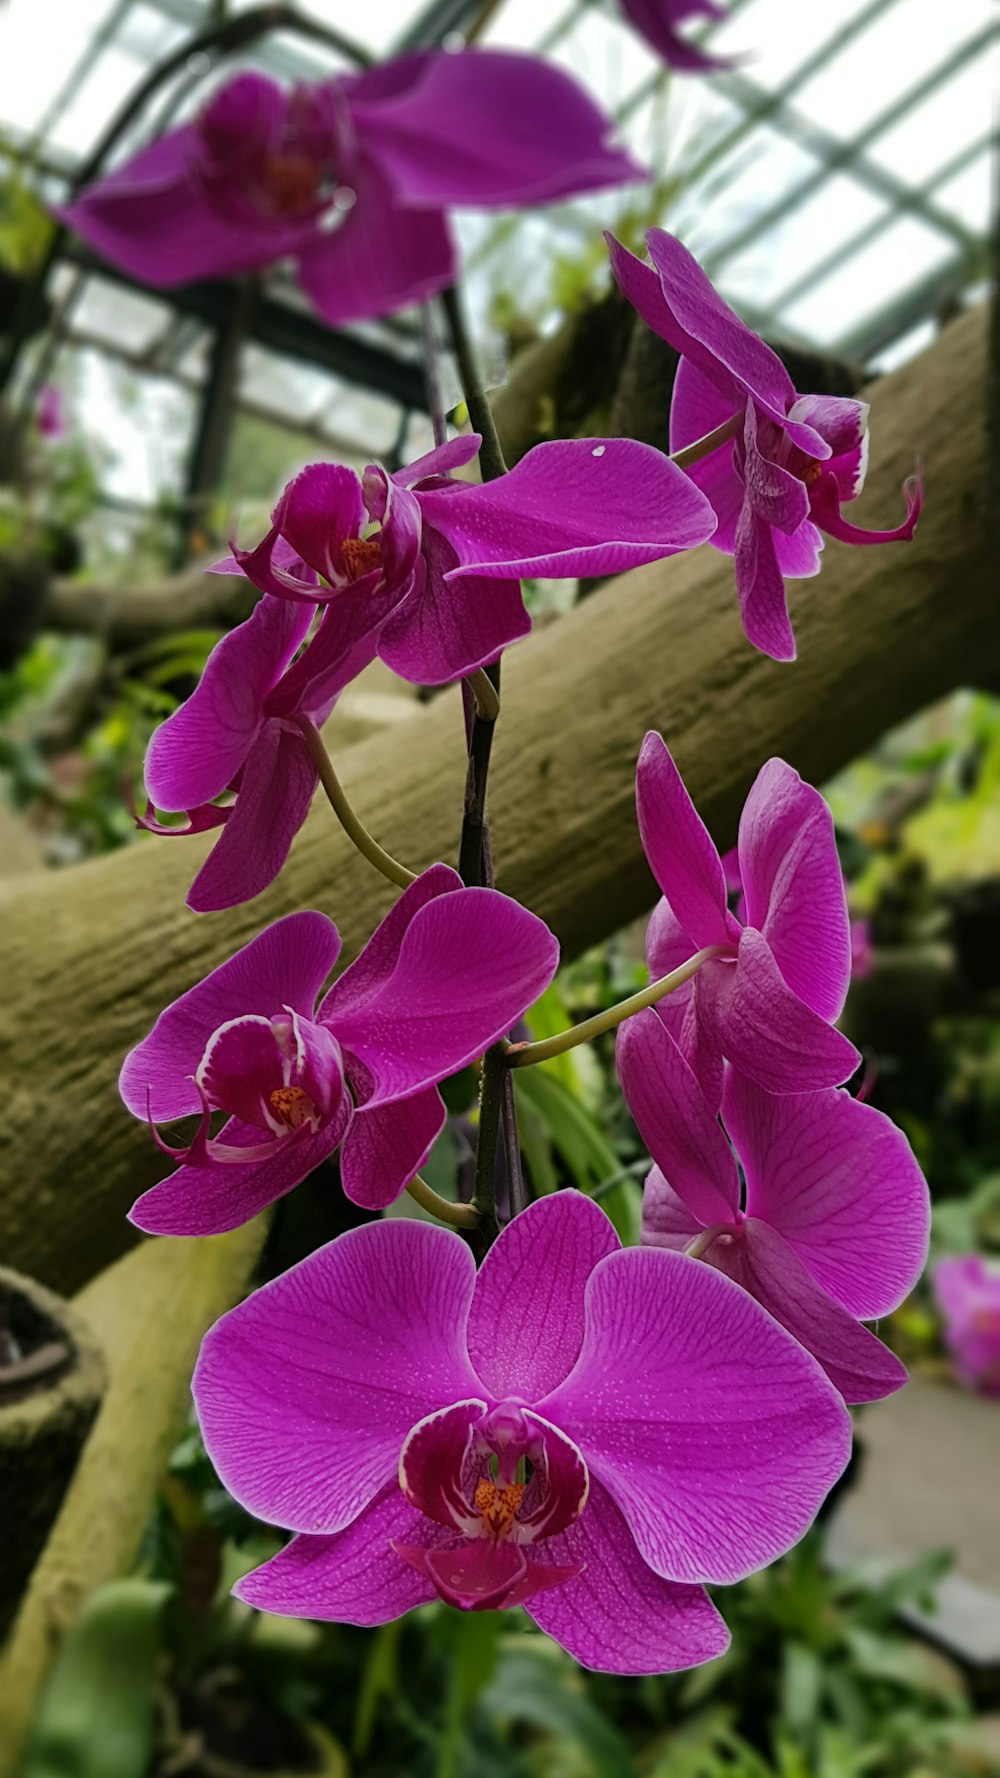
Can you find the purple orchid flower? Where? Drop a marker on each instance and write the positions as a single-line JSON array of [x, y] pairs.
[[351, 177], [587, 1430], [239, 730], [50, 413], [657, 21], [862, 952], [768, 999], [446, 974], [968, 1296], [447, 556], [834, 1227], [784, 463]]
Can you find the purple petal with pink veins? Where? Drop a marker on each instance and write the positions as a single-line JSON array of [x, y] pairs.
[[196, 753], [824, 506], [453, 454], [798, 552], [760, 1025], [618, 1616], [469, 965], [777, 497], [676, 1122], [241, 1067], [572, 507], [335, 1361], [274, 567], [839, 1181], [209, 1200], [433, 1461], [478, 1576], [445, 629], [277, 787], [715, 1434], [666, 1219], [559, 1488], [352, 1577], [763, 1263], [383, 255], [387, 1146], [397, 511], [794, 886], [343, 645], [372, 968], [319, 510], [526, 1320], [285, 965], [844, 425], [760, 587], [679, 848], [667, 947], [489, 128]]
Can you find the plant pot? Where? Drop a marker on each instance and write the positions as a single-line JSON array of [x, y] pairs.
[[51, 1384]]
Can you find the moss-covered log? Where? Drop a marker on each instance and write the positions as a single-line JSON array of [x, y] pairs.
[[89, 957]]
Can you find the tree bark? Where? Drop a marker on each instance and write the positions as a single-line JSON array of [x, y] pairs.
[[89, 958]]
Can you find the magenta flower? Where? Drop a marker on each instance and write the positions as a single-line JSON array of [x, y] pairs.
[[352, 178], [833, 1230], [447, 556], [862, 953], [589, 1431], [239, 731], [658, 20], [50, 414], [446, 974], [784, 463], [968, 1296], [768, 1000]]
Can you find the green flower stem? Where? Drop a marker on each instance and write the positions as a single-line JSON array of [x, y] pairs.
[[702, 447], [356, 832], [524, 1055], [458, 1216]]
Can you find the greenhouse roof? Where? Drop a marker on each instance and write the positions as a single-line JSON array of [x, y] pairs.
[[835, 179]]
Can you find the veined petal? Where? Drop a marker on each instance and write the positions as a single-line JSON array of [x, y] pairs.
[[453, 454], [572, 507], [526, 1321], [285, 965], [386, 1146], [469, 965], [764, 1029], [433, 1461], [373, 967], [777, 497], [677, 1124], [839, 1181], [844, 424], [319, 510], [760, 586], [277, 787], [666, 1219], [763, 1263], [715, 1434], [335, 1361], [680, 850], [197, 752], [490, 129], [344, 644], [211, 1199], [353, 1576], [445, 629], [664, 1627], [794, 886]]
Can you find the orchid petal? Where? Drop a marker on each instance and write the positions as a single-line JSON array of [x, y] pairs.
[[666, 1219], [372, 968], [277, 787], [209, 1200], [285, 965], [675, 1120], [777, 496], [344, 644], [763, 1263], [385, 1147], [195, 754], [839, 1182], [794, 886], [618, 1616], [572, 507], [762, 1027], [824, 504], [383, 255], [760, 586], [526, 1321], [680, 851], [445, 629], [715, 1434], [319, 510], [455, 453], [335, 1361], [351, 1577]]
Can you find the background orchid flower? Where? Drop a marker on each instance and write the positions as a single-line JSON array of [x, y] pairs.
[[658, 20], [446, 974], [968, 1295], [351, 177], [238, 731], [862, 951], [585, 1430], [784, 463], [447, 556], [833, 1230], [767, 1002]]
